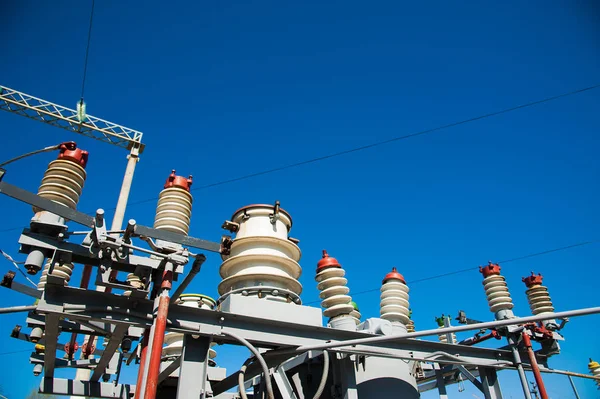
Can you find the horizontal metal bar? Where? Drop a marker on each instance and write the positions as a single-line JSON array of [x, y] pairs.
[[24, 289], [16, 309], [184, 240], [43, 203], [61, 386]]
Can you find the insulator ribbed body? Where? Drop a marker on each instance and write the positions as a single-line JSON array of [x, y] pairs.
[[594, 368], [497, 293], [334, 292], [539, 300], [60, 270], [355, 314], [444, 339], [261, 255], [394, 302], [174, 210], [410, 326], [62, 183], [174, 341]]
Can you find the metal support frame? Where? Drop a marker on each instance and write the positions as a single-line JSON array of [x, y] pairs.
[[490, 384], [194, 368], [441, 384], [60, 386]]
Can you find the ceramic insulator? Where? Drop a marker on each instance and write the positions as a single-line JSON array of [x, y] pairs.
[[444, 339], [355, 314], [63, 182], [174, 209], [594, 368], [495, 288], [410, 326], [334, 292], [537, 295], [394, 304], [174, 341], [261, 255], [60, 270]]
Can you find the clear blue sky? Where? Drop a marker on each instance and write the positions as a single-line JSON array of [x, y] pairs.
[[222, 89]]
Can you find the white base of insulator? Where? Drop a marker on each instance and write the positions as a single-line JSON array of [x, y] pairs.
[[264, 292], [333, 292], [394, 304], [346, 323], [63, 271], [504, 314], [497, 293]]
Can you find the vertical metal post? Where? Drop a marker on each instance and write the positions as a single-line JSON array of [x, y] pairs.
[[573, 386], [517, 358], [439, 377], [194, 368], [489, 383]]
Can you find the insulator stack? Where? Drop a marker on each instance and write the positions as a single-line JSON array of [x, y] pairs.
[[594, 368], [394, 298], [537, 295], [64, 177], [410, 326], [262, 260], [174, 208], [355, 314], [331, 283], [174, 341], [60, 270], [496, 291], [443, 338]]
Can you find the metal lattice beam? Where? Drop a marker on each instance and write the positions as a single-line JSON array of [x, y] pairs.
[[56, 115]]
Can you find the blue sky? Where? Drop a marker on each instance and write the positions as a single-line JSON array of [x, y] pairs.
[[223, 89]]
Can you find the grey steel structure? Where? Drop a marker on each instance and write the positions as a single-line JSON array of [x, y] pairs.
[[295, 355]]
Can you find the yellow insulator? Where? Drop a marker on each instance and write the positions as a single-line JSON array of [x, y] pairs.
[[63, 270], [594, 368], [410, 327], [394, 304], [174, 209]]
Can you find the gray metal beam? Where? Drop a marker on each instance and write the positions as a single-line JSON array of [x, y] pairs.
[[194, 368], [60, 386], [441, 384], [51, 334], [283, 384], [490, 384], [169, 369], [113, 344], [470, 376]]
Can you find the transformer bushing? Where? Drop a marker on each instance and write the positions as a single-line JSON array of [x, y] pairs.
[[443, 338], [496, 291], [394, 303], [174, 341], [594, 368], [336, 303], [539, 299], [62, 183], [262, 260]]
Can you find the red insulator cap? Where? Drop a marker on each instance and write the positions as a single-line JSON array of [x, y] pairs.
[[490, 270], [70, 152], [178, 181], [393, 275], [327, 262], [532, 280]]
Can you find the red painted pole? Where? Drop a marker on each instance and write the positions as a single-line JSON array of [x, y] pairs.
[[160, 326], [140, 376], [534, 366]]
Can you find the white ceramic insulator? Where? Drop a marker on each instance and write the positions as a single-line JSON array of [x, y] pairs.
[[355, 314], [135, 282], [539, 300], [174, 210], [497, 293], [62, 183], [444, 339], [63, 271], [261, 253], [394, 302], [334, 292], [174, 341], [596, 373], [410, 326]]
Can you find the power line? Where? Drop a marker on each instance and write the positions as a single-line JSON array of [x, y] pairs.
[[470, 269], [10, 353], [364, 147], [87, 50]]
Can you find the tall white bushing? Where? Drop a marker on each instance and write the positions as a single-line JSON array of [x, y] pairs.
[[539, 299], [394, 305], [174, 341], [261, 260], [496, 292], [336, 303]]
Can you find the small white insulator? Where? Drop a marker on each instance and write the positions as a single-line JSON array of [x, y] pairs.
[[443, 338], [394, 304], [594, 368], [410, 327], [261, 260], [537, 295], [174, 208], [60, 270], [134, 281], [355, 314], [174, 341], [64, 177], [495, 288], [332, 285]]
